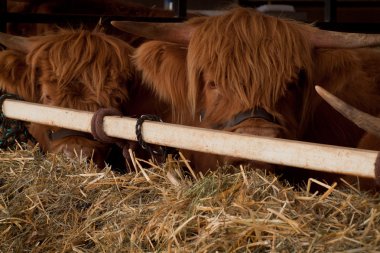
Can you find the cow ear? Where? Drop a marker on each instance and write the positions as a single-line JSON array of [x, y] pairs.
[[14, 77], [163, 67], [170, 32]]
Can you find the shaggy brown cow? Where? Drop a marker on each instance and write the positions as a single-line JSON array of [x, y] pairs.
[[75, 69], [255, 74]]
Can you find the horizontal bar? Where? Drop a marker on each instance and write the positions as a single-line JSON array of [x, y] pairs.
[[312, 156], [80, 18], [63, 18]]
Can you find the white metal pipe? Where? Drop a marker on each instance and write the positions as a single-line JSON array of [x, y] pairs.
[[271, 150]]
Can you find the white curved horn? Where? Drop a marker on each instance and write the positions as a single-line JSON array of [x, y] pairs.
[[363, 120], [171, 32]]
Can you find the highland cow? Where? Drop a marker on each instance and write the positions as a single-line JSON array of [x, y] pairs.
[[77, 69], [249, 73]]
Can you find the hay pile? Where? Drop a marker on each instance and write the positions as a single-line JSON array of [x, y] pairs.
[[54, 204]]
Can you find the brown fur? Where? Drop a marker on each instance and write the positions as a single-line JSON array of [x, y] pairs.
[[73, 69], [95, 73], [258, 45], [245, 59], [166, 74], [13, 75], [80, 81]]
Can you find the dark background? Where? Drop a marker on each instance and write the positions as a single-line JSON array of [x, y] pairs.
[[341, 15]]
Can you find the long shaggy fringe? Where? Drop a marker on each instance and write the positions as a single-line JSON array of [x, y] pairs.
[[252, 56], [164, 70], [12, 65], [82, 62]]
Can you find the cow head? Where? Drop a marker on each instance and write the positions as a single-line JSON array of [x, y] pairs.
[[73, 69], [247, 73]]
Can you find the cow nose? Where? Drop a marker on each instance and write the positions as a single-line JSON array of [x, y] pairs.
[[261, 131], [75, 152], [84, 153], [259, 127]]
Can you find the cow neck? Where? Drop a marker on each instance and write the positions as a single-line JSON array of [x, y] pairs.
[[255, 113], [63, 133]]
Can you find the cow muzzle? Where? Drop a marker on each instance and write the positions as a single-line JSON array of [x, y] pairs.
[[255, 113], [63, 133], [255, 121], [74, 144]]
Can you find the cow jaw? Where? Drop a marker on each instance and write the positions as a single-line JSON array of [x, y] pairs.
[[72, 147], [80, 147]]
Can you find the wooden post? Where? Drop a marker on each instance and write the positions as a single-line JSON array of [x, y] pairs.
[[330, 11], [180, 8]]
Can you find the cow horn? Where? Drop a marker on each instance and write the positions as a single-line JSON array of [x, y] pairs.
[[363, 120], [18, 43], [332, 39], [171, 32]]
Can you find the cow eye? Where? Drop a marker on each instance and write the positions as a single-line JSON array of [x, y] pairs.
[[212, 85]]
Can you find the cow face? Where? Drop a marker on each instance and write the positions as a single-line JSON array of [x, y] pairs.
[[227, 87], [164, 69], [223, 109], [72, 69], [248, 82]]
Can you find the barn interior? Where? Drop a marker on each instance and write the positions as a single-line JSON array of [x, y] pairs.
[[51, 203], [342, 15]]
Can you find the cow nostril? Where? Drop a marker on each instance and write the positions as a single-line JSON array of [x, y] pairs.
[[77, 152], [273, 132], [85, 153], [68, 152]]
